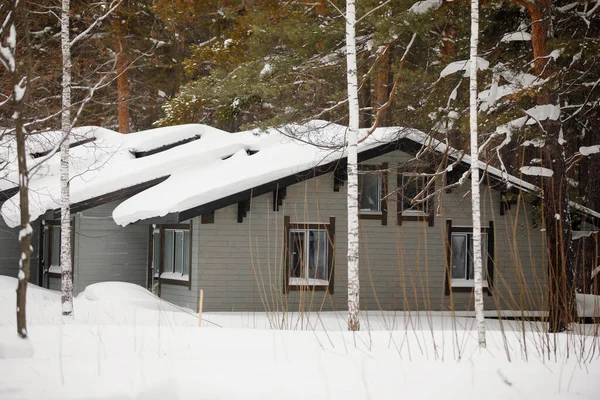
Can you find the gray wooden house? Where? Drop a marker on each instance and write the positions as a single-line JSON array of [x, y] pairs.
[[265, 243]]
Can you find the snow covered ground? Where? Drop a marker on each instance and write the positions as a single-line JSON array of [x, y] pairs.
[[124, 343]]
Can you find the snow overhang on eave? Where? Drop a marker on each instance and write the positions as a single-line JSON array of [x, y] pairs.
[[402, 144], [106, 198]]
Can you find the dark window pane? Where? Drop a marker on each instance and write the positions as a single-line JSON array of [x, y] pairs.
[[155, 252], [318, 255], [168, 264], [412, 185], [459, 256], [369, 192], [55, 245], [296, 246], [186, 253], [178, 266]]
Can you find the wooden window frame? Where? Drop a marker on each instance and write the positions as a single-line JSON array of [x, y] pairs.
[[489, 265], [330, 229], [42, 260], [150, 277], [382, 171], [429, 215]]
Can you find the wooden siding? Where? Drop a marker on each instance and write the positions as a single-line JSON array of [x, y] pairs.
[[240, 265], [10, 253], [105, 251]]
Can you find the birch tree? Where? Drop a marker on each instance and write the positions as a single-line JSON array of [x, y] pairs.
[[353, 126], [66, 281], [8, 47], [67, 43], [475, 197]]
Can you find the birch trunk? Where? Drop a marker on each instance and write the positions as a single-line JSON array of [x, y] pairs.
[[351, 68], [475, 197], [66, 284], [7, 58]]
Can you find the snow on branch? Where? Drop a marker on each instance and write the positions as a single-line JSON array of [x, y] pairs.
[[536, 171], [543, 112], [463, 65], [83, 34], [589, 150], [422, 7], [516, 37]]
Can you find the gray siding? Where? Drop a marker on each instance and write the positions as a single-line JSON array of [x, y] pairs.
[[402, 267], [105, 251], [10, 253]]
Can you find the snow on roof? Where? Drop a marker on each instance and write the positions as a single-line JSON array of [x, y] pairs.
[[217, 165], [226, 170], [97, 167]]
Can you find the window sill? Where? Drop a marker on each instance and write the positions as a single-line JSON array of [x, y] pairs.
[[299, 284], [167, 278], [308, 282], [54, 270], [415, 217], [378, 215], [464, 286]]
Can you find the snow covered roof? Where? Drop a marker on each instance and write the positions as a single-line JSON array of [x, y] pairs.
[[189, 174]]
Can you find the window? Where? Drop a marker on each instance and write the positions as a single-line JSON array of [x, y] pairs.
[[50, 263], [309, 256], [462, 258], [411, 186], [413, 205], [459, 254], [52, 244], [372, 190], [369, 192], [170, 256]]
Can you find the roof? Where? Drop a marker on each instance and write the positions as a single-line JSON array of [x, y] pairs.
[[193, 169]]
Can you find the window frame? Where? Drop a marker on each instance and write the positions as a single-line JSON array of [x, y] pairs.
[[381, 171], [329, 228], [488, 264], [46, 237], [414, 215], [161, 254]]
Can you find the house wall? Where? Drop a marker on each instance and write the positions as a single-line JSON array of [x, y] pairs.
[[105, 251], [240, 265], [10, 253]]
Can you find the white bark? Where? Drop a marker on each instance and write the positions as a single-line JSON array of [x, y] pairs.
[[66, 285], [353, 280], [475, 197]]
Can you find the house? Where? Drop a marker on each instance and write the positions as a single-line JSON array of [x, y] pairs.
[[258, 221]]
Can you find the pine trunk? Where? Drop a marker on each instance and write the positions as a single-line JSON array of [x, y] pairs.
[[66, 285], [353, 126], [557, 216], [380, 91], [122, 83], [475, 195]]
